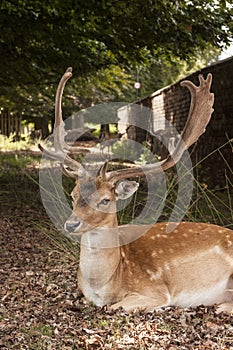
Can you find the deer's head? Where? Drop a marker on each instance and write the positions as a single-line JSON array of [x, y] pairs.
[[94, 202]]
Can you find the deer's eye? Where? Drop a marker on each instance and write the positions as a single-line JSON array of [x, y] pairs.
[[105, 201]]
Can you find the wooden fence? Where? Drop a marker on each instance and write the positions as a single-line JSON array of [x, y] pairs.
[[10, 124]]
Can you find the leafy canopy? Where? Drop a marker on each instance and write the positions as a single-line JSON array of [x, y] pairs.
[[40, 39]]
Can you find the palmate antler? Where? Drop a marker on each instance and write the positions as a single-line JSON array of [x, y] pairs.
[[199, 116], [200, 112]]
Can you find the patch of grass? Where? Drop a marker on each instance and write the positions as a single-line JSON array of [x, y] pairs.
[[40, 336], [213, 206], [42, 329], [14, 162], [210, 205], [19, 188], [39, 329], [9, 144], [69, 247]]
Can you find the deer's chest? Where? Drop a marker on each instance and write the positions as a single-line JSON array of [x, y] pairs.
[[99, 294]]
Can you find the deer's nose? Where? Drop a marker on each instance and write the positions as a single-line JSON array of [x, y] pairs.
[[71, 226]]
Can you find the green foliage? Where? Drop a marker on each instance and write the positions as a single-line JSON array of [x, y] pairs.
[[40, 39], [112, 83], [162, 72], [210, 203], [207, 205], [8, 144], [89, 35]]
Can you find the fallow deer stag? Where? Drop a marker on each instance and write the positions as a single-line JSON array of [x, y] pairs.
[[190, 266]]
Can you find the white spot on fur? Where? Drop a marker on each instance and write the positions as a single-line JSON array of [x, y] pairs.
[[154, 275], [218, 250]]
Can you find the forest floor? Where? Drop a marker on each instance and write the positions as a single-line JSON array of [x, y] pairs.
[[41, 308]]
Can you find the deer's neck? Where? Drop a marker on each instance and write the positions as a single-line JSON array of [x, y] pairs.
[[99, 256]]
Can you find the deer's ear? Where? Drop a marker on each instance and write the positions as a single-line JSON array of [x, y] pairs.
[[125, 189]]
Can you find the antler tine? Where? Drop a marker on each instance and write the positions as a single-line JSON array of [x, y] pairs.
[[59, 131], [61, 148], [201, 108], [62, 157]]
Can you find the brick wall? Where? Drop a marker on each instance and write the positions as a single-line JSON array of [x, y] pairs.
[[173, 103]]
